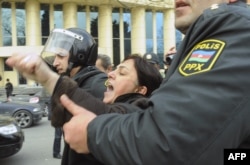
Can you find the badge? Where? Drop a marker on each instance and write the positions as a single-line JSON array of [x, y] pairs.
[[148, 56], [202, 57], [214, 6]]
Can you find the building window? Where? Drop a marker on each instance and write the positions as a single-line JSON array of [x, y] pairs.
[[20, 23], [44, 15], [127, 31], [116, 16], [149, 31], [159, 37], [21, 80], [81, 17], [116, 35], [6, 67], [94, 21], [159, 34], [58, 16], [6, 24]]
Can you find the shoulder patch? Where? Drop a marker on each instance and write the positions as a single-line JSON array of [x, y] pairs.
[[202, 57]]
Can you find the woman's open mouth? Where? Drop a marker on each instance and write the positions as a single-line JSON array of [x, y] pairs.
[[109, 86]]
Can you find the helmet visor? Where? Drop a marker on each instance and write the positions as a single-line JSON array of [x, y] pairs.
[[59, 43]]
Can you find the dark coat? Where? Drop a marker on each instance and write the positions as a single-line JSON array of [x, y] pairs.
[[201, 108], [9, 88], [92, 81]]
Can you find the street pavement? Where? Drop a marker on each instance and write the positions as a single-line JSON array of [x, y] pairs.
[[37, 147]]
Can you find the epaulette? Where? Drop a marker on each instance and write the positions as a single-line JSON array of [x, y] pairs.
[[215, 9]]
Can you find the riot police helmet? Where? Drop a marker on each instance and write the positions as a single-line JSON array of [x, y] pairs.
[[75, 42]]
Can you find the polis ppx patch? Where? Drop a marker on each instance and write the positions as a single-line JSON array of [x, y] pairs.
[[202, 57]]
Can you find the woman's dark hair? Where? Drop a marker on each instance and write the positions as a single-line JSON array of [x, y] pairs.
[[147, 74]]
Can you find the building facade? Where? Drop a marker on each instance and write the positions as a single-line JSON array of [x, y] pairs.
[[120, 27]]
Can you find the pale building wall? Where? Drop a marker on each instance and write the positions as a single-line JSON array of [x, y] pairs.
[[88, 26], [1, 31], [13, 75], [33, 30], [169, 29], [105, 30], [51, 17], [138, 30], [70, 14], [13, 23]]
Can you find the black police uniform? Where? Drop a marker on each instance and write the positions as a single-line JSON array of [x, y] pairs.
[[201, 108]]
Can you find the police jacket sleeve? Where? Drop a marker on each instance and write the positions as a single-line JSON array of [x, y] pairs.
[[201, 108]]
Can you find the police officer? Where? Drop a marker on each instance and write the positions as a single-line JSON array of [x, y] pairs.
[[153, 59], [73, 52], [202, 106]]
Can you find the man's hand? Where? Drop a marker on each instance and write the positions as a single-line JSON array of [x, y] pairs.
[[172, 50], [33, 67], [27, 64], [75, 131]]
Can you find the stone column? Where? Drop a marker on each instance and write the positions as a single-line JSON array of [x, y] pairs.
[[105, 33], [13, 24], [33, 23], [70, 14], [138, 32], [169, 29], [51, 17], [88, 20], [1, 31]]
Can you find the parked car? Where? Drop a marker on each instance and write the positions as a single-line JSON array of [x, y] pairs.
[[25, 114], [11, 137], [41, 97]]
